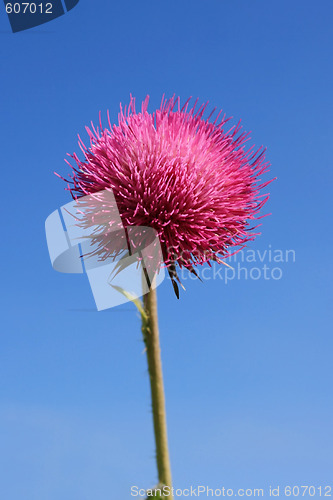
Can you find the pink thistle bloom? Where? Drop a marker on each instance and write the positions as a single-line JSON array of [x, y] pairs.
[[179, 173]]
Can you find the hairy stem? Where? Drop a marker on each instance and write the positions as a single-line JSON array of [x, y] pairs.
[[151, 339]]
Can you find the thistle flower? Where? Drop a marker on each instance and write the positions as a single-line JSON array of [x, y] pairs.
[[187, 177], [175, 171]]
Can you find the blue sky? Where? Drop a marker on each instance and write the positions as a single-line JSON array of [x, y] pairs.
[[248, 364]]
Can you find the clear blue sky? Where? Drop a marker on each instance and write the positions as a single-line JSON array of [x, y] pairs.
[[248, 365]]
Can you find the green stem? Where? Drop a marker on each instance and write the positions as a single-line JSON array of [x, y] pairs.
[[151, 339]]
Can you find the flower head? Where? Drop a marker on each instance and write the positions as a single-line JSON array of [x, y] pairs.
[[180, 173]]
